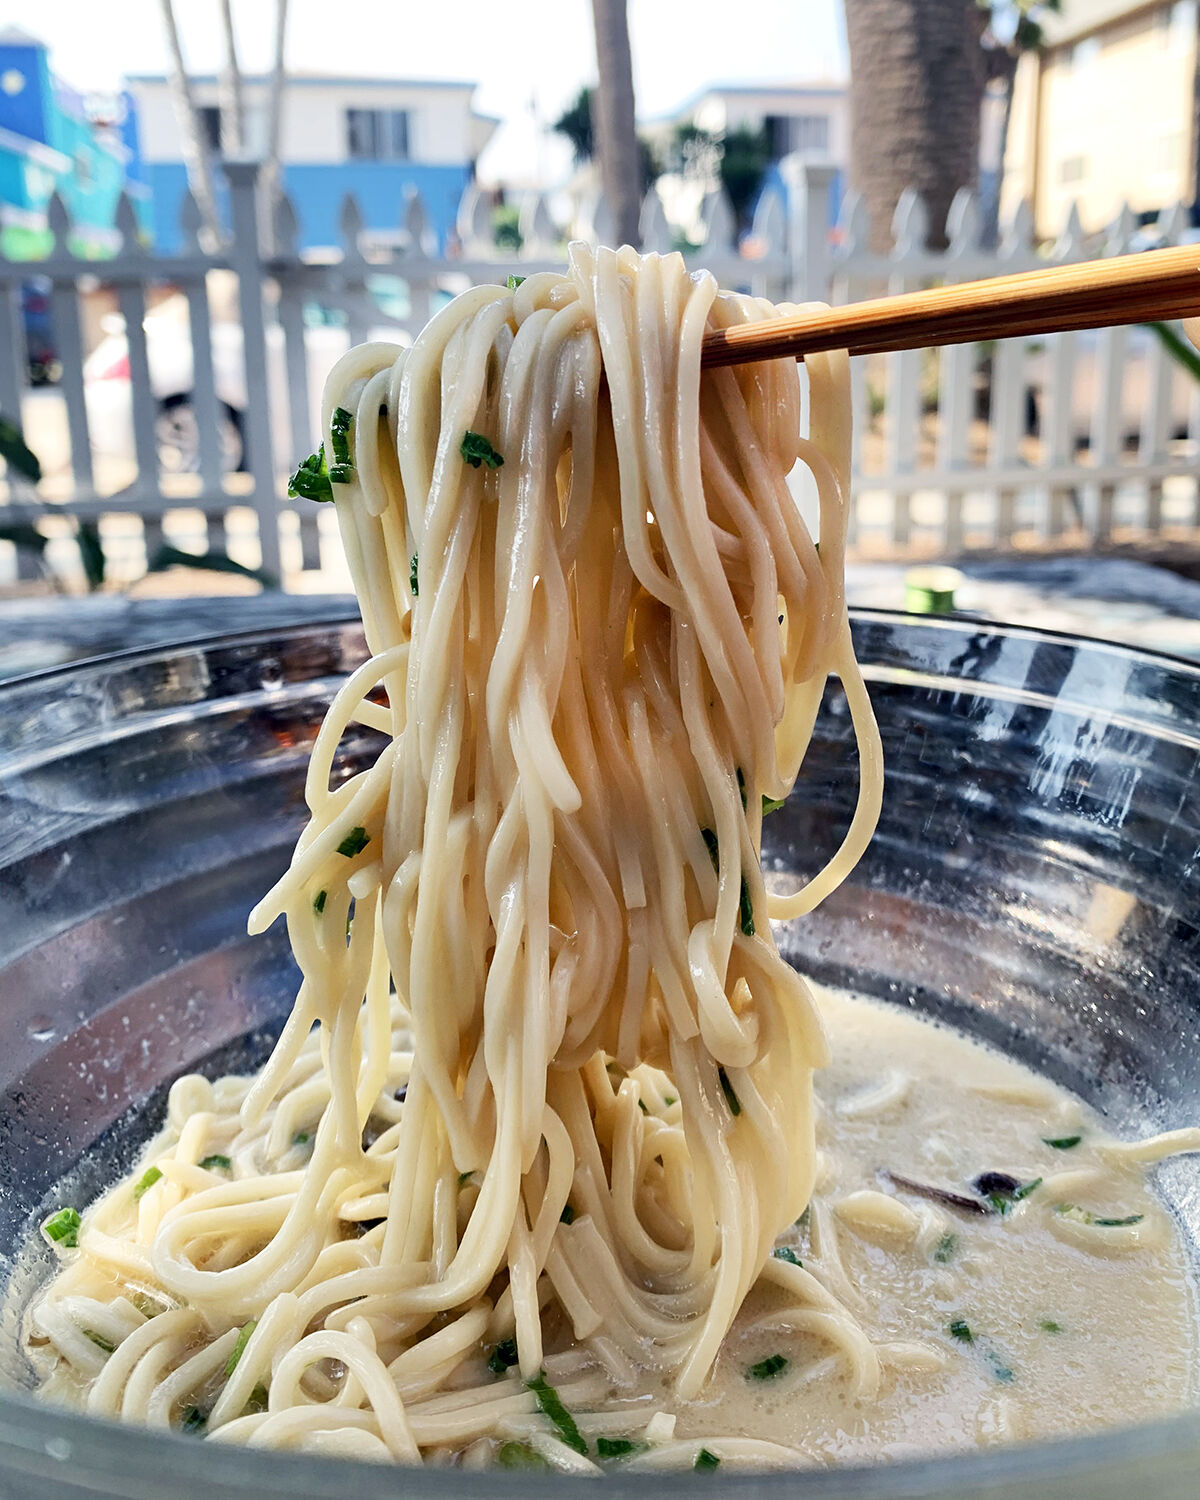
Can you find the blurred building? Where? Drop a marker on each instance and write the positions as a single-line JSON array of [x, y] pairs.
[[373, 137], [810, 120], [1105, 114], [53, 139]]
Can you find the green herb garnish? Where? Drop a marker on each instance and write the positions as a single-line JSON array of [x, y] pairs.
[[239, 1348], [607, 1447], [319, 902], [734, 1103], [772, 804], [62, 1228], [311, 479], [412, 575], [146, 1181], [746, 910], [960, 1329], [514, 282], [1062, 1142], [99, 1340], [668, 1100], [476, 450], [258, 1401], [785, 1252], [946, 1247], [1048, 1325], [711, 844], [300, 1138], [1002, 1200], [354, 842], [706, 1461], [1083, 1216], [568, 1215], [194, 1420], [503, 1356], [551, 1405], [217, 1160], [520, 1456], [767, 1369], [339, 428]]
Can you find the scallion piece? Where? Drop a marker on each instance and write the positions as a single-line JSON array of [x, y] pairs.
[[239, 1348], [476, 450], [503, 1356], [772, 804], [1062, 1142], [1084, 1216], [311, 479], [259, 1400], [706, 1461], [412, 575], [551, 1405], [354, 842], [946, 1247], [746, 910], [515, 1455], [319, 902], [217, 1162], [785, 1252], [301, 1138], [339, 429], [960, 1329], [1048, 1325], [568, 1215], [514, 282], [734, 1103], [607, 1447], [194, 1420], [62, 1228], [99, 1340], [146, 1181], [767, 1369]]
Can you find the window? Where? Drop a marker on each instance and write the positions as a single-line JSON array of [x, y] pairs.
[[377, 134], [807, 134], [1072, 169]]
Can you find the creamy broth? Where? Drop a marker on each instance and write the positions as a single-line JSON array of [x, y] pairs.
[[1074, 1327]]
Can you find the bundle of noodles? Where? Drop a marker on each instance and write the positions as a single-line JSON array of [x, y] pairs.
[[585, 1114]]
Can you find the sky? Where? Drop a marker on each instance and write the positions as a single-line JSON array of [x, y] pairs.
[[530, 57]]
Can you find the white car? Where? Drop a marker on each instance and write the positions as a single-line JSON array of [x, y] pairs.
[[109, 396]]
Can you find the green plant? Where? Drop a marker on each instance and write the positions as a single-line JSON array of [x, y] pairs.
[[506, 227]]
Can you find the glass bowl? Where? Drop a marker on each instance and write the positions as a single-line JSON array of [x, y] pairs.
[[1034, 881]]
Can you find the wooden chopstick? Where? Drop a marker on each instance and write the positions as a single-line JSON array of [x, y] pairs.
[[1144, 288]]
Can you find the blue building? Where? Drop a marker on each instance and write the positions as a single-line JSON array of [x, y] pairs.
[[373, 137], [50, 141]]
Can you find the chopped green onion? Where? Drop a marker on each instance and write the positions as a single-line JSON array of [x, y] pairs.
[[946, 1247], [568, 1215], [1062, 1142], [706, 1461], [1048, 1325], [339, 427], [149, 1307], [476, 450], [146, 1181], [767, 1369], [734, 1103], [1026, 1188], [785, 1252], [311, 479], [551, 1405], [514, 282], [1003, 1199], [1002, 1372], [354, 843], [194, 1420], [960, 1329], [319, 902], [210, 1163], [300, 1138], [259, 1400], [62, 1228], [341, 473], [503, 1356], [99, 1340], [710, 843], [520, 1456], [412, 575], [668, 1100], [772, 804], [746, 910], [607, 1447], [1083, 1216], [239, 1348]]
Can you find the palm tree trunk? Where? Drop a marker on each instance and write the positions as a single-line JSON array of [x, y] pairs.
[[195, 156], [270, 180], [916, 88], [614, 124], [229, 91]]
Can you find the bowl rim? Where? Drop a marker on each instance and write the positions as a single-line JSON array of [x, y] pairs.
[[45, 1443]]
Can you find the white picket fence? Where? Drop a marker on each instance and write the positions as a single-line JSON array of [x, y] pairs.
[[1072, 439]]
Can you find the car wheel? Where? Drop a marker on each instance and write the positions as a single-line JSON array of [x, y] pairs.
[[177, 434]]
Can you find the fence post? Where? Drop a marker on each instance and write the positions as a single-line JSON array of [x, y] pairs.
[[246, 259], [809, 187]]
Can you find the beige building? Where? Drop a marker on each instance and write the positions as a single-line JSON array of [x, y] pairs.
[[1104, 114]]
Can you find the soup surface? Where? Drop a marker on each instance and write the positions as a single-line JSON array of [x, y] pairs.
[[1062, 1302]]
